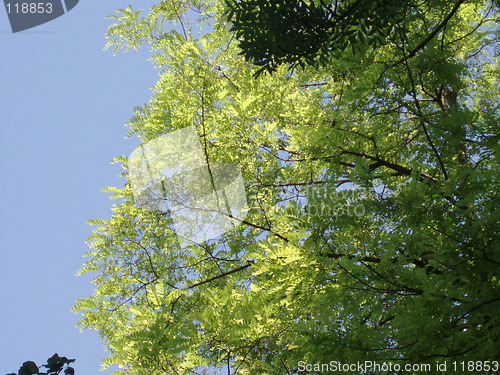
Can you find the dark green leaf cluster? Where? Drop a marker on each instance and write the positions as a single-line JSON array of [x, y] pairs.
[[54, 366], [298, 32]]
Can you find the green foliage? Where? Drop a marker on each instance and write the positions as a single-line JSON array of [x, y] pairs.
[[297, 32], [372, 182], [54, 366]]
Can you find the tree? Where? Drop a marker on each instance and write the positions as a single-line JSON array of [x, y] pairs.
[[372, 186], [54, 366], [298, 32]]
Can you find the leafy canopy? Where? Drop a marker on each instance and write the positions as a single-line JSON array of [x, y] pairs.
[[311, 32], [298, 32], [372, 183]]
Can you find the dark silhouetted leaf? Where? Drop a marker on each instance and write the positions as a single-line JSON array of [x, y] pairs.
[[28, 368]]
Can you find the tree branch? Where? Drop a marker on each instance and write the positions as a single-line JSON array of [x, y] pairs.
[[221, 275], [430, 36], [396, 167]]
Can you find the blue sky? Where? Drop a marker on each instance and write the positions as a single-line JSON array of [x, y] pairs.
[[63, 104]]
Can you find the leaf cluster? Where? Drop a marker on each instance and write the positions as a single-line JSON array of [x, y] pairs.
[[299, 33], [372, 187], [54, 366]]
